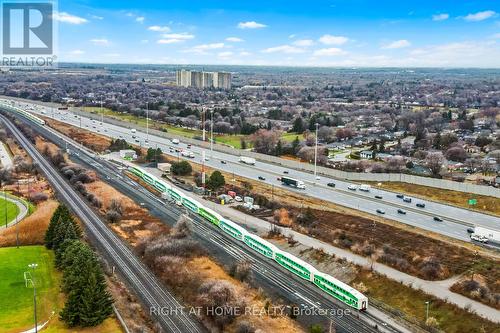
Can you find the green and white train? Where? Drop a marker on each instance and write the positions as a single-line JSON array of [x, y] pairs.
[[325, 282], [10, 108]]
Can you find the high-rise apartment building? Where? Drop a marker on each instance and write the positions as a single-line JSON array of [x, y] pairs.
[[219, 80]]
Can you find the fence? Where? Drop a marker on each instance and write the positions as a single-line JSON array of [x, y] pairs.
[[351, 176]]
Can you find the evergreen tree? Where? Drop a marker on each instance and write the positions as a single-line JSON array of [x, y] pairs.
[[216, 181], [295, 145], [437, 141], [298, 125], [279, 148], [89, 302], [65, 230], [49, 234]]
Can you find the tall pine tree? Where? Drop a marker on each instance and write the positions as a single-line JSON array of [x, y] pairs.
[[49, 234], [89, 302]]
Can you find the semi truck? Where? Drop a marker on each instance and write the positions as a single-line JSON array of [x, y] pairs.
[[292, 182], [247, 160], [486, 234]]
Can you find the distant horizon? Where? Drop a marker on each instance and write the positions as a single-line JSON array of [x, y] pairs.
[[279, 66]]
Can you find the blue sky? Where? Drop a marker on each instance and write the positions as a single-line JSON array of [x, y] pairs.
[[350, 33]]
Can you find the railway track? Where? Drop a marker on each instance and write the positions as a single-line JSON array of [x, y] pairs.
[[142, 281]]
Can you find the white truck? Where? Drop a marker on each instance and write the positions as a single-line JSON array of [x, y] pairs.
[[133, 130], [247, 160], [484, 235], [364, 188], [175, 141]]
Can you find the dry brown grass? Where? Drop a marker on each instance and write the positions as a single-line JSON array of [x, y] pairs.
[[460, 199], [96, 142], [31, 229]]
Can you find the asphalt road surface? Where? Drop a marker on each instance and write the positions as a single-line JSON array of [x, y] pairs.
[[455, 220]]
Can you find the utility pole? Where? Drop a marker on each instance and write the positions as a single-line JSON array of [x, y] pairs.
[[102, 114], [427, 310], [203, 151], [211, 133], [147, 122], [316, 153], [5, 206]]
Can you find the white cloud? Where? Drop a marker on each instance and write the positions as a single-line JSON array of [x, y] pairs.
[[234, 39], [68, 18], [225, 54], [181, 36], [77, 52], [479, 16], [292, 36], [95, 17], [100, 41], [496, 36], [212, 46], [251, 25], [284, 49], [245, 53], [140, 19], [333, 40], [159, 28], [397, 44], [329, 52], [169, 41], [440, 17], [303, 42], [144, 41], [111, 55]]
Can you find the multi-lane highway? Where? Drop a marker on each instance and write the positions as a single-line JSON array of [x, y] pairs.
[[312, 302], [140, 278], [455, 220]]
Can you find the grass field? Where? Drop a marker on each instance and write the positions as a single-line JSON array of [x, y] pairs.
[[12, 210], [16, 300], [231, 140]]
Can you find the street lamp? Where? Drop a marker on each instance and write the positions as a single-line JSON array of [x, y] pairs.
[[316, 154], [33, 267]]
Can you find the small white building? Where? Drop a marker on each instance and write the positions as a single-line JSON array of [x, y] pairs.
[[367, 154], [128, 154]]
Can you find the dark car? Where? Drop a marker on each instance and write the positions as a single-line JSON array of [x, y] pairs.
[[400, 196], [420, 205], [378, 197], [380, 211], [470, 230], [331, 184], [285, 172], [438, 219], [400, 211], [262, 178], [223, 162]]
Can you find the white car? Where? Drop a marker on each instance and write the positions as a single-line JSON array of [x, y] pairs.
[[238, 198], [352, 187]]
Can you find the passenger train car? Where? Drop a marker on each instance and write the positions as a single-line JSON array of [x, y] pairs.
[[21, 112], [325, 282]]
